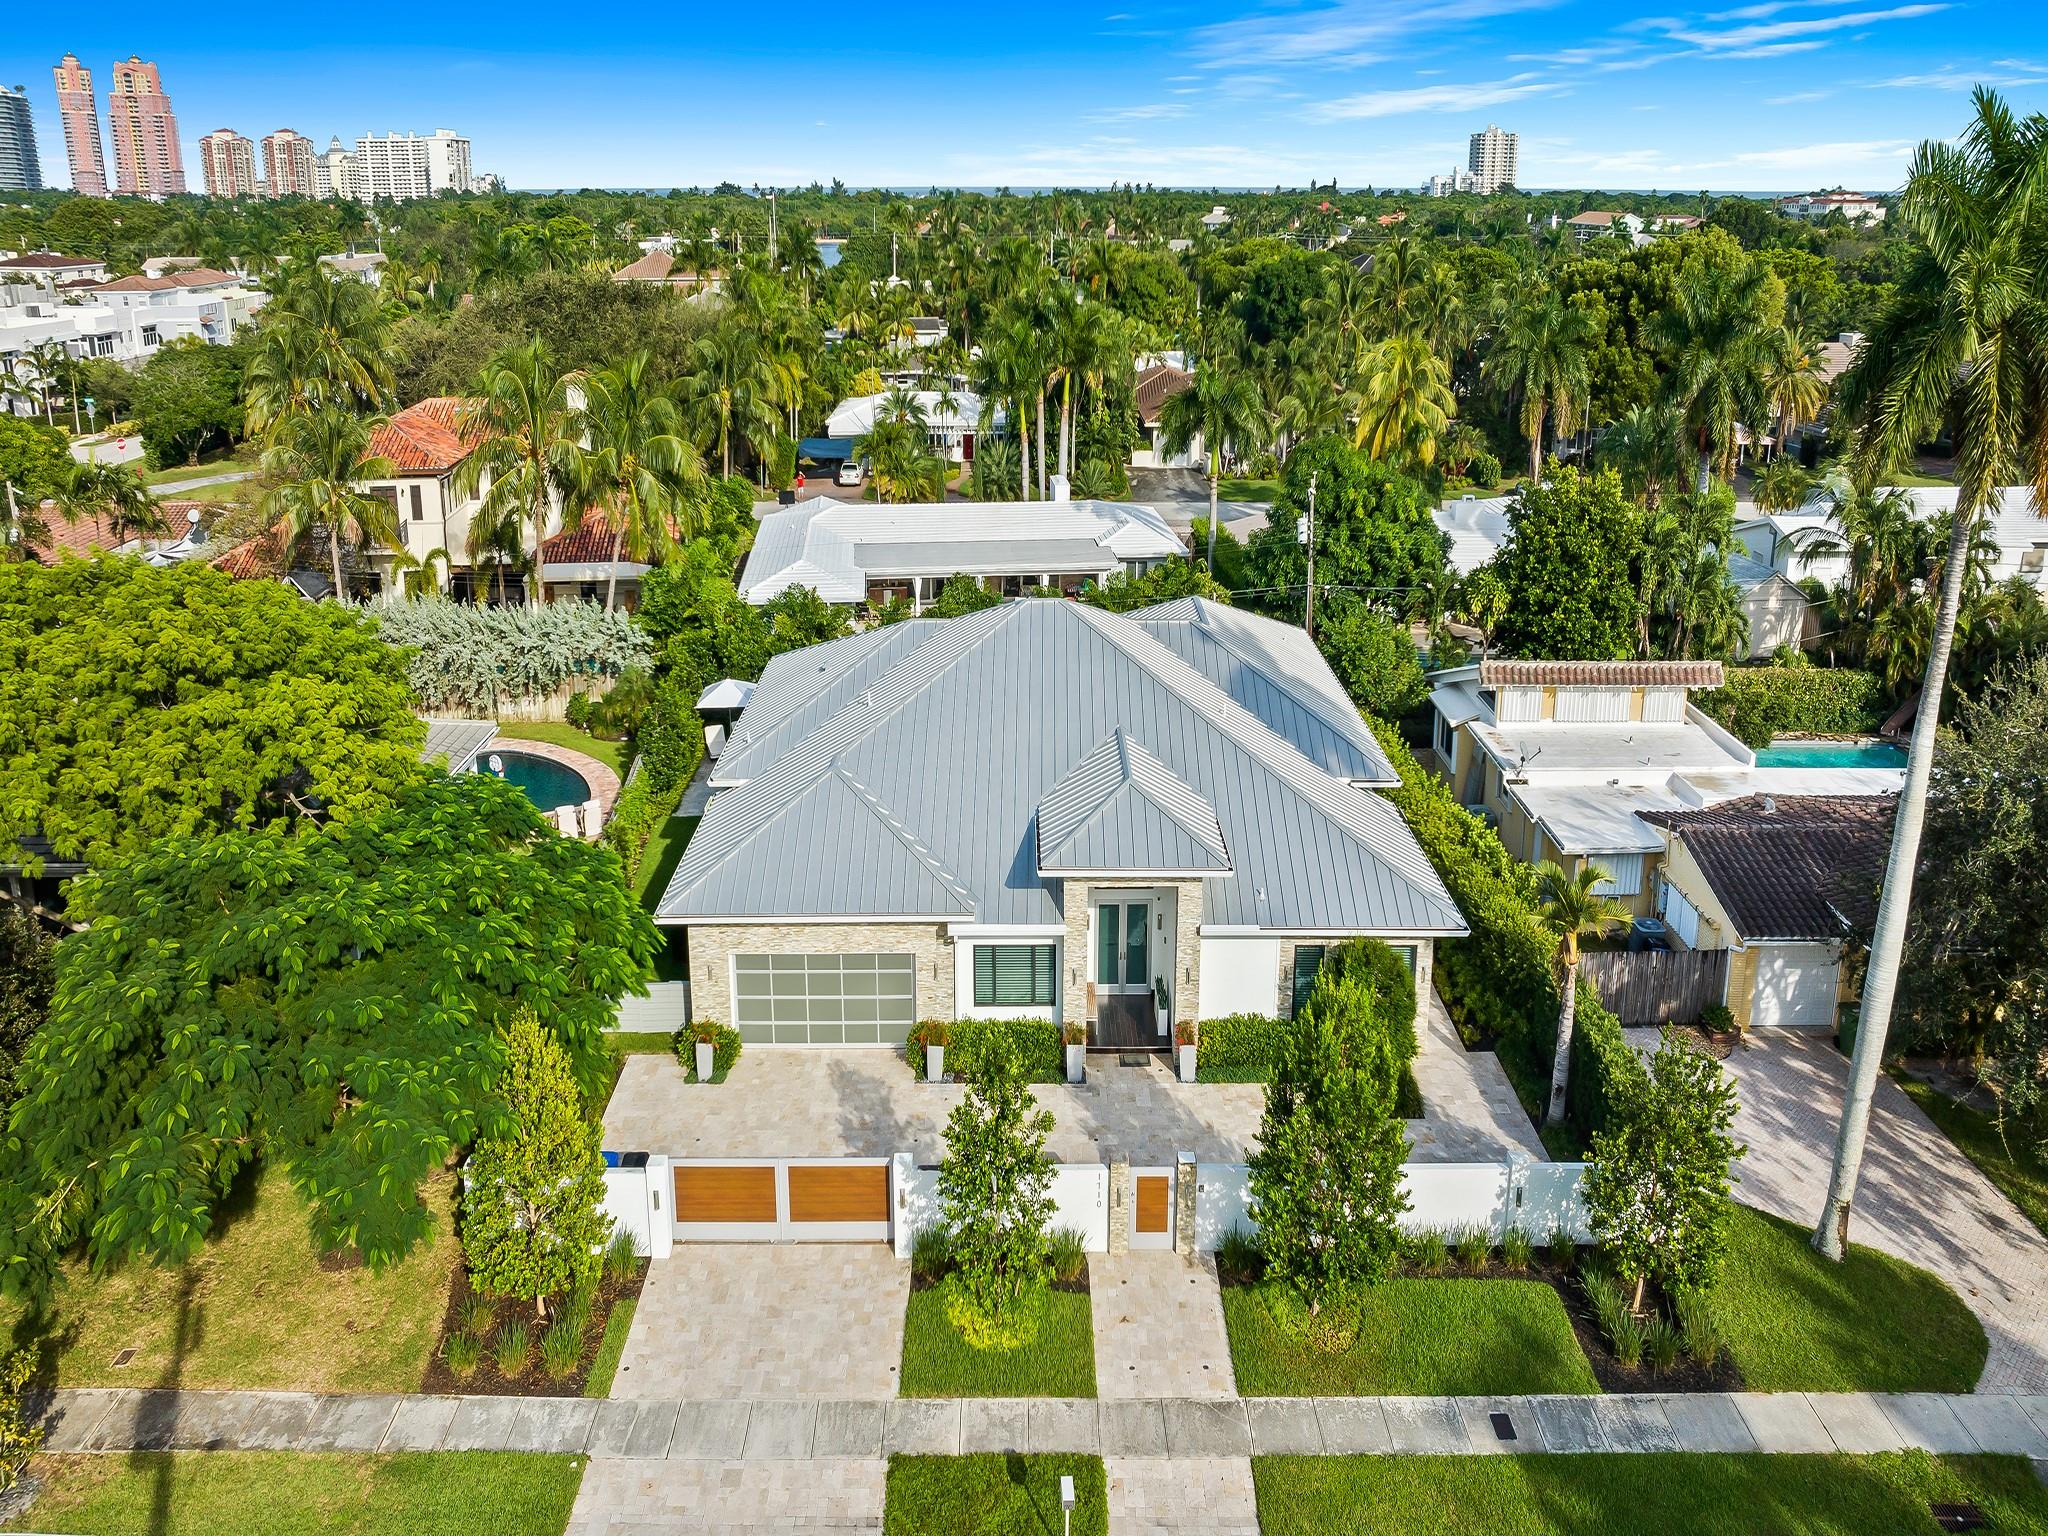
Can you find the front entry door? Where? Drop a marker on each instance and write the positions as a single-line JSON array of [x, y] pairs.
[[1123, 947], [1152, 1207]]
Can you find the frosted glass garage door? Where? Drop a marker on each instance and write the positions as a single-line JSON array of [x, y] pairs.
[[824, 999]]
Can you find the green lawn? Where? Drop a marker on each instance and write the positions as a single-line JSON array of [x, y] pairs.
[[2011, 1162], [938, 1362], [256, 1309], [1797, 1323], [282, 1493], [993, 1495], [1653, 1495], [611, 753], [609, 1350], [664, 851], [243, 458], [1231, 488], [1416, 1338]]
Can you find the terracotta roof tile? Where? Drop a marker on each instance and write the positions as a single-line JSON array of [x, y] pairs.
[[427, 438], [1498, 673], [260, 558], [1791, 867], [196, 277]]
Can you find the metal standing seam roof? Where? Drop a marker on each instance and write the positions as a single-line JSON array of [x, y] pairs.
[[1122, 809], [968, 726], [456, 741]]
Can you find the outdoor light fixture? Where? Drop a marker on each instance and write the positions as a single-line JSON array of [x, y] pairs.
[[1067, 1505]]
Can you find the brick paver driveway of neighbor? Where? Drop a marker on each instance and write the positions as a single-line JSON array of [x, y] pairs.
[[729, 1321], [1919, 1197], [1158, 1326]]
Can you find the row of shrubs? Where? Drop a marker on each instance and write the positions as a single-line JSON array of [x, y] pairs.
[[668, 745], [1654, 1339], [1790, 697], [931, 1254], [1432, 1251], [1037, 1043], [1238, 1047], [1499, 983]]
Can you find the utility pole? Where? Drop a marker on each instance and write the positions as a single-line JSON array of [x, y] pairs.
[[771, 227], [1307, 533]]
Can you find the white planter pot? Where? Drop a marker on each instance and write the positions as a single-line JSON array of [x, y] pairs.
[[706, 1051], [935, 1063], [1077, 1063], [1187, 1063]]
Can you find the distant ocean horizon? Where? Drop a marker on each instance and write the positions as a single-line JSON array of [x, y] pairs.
[[926, 191]]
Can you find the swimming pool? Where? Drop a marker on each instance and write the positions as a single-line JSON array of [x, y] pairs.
[[1830, 754], [548, 784]]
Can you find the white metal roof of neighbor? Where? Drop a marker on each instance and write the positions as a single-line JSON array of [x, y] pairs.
[[855, 417], [900, 772], [456, 741], [835, 547], [1121, 809], [1628, 751], [1477, 526], [1597, 818]]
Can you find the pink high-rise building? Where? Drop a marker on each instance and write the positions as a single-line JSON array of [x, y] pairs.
[[81, 128], [227, 159], [288, 163], [147, 159]]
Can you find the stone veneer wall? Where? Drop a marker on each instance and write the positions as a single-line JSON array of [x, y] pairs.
[[713, 944], [1425, 972]]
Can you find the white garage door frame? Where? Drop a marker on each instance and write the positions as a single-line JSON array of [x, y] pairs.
[[1795, 987], [784, 1228]]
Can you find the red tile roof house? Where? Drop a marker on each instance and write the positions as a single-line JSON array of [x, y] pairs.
[[426, 443]]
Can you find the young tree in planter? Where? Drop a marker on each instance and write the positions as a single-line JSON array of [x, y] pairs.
[[1657, 1190], [532, 1196], [1326, 1179], [995, 1185], [1571, 910]]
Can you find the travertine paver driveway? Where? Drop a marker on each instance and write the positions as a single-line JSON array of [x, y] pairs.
[[1919, 1197], [770, 1320], [1158, 1326], [697, 1498]]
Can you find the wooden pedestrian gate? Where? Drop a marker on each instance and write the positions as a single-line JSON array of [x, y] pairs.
[[1152, 1207], [782, 1200]]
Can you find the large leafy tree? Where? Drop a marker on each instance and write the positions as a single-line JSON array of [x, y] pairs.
[[533, 1222], [138, 703], [334, 1002], [189, 397], [28, 976], [1567, 567], [1326, 1178], [33, 467], [1963, 342]]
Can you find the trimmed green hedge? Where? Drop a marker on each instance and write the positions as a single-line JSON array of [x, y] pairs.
[[1759, 703], [636, 814], [1036, 1041], [1237, 1048], [1499, 983], [669, 746]]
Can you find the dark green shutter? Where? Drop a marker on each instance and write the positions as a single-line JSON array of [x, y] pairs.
[[1308, 960]]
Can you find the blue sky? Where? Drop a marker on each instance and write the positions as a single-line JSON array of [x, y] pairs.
[[1782, 94]]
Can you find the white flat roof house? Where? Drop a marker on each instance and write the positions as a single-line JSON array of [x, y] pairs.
[[868, 552], [1794, 543], [950, 420]]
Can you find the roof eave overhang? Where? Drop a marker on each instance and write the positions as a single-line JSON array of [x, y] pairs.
[[1046, 872]]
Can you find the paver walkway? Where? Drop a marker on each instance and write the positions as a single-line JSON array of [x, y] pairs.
[[1134, 1429], [1471, 1112], [1159, 1326], [755, 1320], [1919, 1197]]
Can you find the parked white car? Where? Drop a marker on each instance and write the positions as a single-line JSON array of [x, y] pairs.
[[850, 472]]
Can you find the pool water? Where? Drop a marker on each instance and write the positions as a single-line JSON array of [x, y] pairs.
[[547, 783], [1830, 754]]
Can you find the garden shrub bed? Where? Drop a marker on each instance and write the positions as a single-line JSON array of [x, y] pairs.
[[532, 1381], [1759, 703]]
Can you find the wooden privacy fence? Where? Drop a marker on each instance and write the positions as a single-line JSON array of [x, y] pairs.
[[1657, 986]]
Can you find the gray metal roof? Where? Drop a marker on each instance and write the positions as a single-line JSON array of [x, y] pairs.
[[1122, 809], [456, 742], [946, 736]]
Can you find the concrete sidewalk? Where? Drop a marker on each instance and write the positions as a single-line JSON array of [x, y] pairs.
[[127, 1419]]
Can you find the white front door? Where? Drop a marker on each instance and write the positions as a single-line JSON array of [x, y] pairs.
[[1795, 987]]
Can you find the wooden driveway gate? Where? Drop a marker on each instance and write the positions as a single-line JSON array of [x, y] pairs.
[[782, 1200]]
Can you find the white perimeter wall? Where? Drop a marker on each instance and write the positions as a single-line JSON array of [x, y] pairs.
[[1080, 1196], [1240, 976], [1448, 1197]]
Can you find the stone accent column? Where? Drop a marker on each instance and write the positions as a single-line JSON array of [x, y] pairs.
[[1187, 951], [1184, 1188], [1074, 960], [1425, 979], [1119, 1200]]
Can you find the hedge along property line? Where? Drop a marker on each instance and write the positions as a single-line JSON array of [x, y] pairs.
[[1036, 1042], [1499, 982], [1758, 703], [667, 750]]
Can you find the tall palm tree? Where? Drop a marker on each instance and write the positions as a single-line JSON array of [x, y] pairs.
[[1795, 384], [1964, 339], [1646, 447], [728, 392], [1782, 485], [638, 475], [1571, 909], [45, 365], [1405, 402], [315, 462], [1718, 334], [1540, 358], [525, 458], [113, 493], [323, 341], [1220, 410]]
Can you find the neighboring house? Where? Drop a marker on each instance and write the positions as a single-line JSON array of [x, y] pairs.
[[924, 331], [1776, 607], [1476, 526], [182, 539], [1565, 758], [1783, 882], [1594, 224], [159, 266], [865, 553], [658, 266], [195, 301], [126, 320], [1796, 544], [577, 563], [48, 270], [1216, 218], [951, 420], [368, 267], [426, 444], [1674, 223], [1815, 206], [1155, 386], [1043, 810]]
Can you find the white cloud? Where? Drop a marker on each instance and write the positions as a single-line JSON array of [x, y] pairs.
[[1776, 32], [1345, 33], [1435, 98], [1796, 97], [2003, 75], [1145, 113]]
